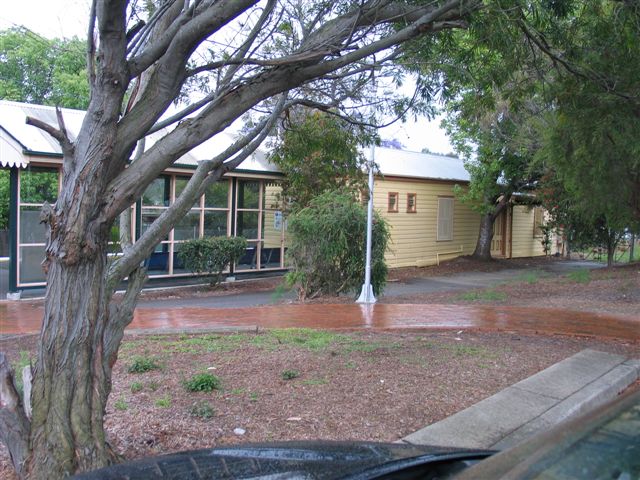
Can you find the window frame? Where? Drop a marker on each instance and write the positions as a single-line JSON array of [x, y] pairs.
[[414, 208], [396, 197]]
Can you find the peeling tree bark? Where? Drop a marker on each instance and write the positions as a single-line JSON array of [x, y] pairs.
[[14, 424]]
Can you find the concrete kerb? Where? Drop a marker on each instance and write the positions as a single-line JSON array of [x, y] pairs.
[[573, 386]]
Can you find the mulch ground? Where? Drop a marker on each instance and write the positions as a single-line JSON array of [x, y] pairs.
[[358, 385]]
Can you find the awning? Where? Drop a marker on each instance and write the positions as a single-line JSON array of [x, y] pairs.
[[11, 152]]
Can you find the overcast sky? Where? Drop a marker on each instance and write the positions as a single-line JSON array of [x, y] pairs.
[[66, 18]]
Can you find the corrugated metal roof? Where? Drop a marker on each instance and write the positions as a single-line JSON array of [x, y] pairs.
[[401, 163], [30, 139], [19, 135]]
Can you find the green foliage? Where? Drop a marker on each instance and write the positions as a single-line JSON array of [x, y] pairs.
[[34, 69], [163, 402], [327, 247], [121, 404], [143, 365], [25, 359], [202, 409], [136, 387], [318, 153], [290, 374], [580, 276], [202, 382], [4, 198], [483, 296], [211, 255]]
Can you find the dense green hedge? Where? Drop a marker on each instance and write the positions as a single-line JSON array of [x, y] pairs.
[[211, 255]]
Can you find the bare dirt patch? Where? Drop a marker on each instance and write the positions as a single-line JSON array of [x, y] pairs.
[[355, 385]]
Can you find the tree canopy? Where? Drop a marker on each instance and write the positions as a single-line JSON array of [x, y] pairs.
[[34, 69], [318, 152]]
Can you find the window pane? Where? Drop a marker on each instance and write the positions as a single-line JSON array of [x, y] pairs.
[[38, 185], [215, 224], [217, 195], [249, 259], [158, 262], [188, 227], [445, 219], [31, 230], [248, 225], [157, 193], [178, 264], [248, 194], [148, 217], [181, 183], [31, 264]]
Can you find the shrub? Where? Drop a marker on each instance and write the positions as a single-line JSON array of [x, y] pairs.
[[202, 382], [328, 245], [202, 409], [211, 255], [290, 374], [143, 364]]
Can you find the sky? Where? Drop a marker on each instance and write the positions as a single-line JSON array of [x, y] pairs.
[[67, 18]]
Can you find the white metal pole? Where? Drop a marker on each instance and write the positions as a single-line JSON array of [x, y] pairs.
[[366, 295]]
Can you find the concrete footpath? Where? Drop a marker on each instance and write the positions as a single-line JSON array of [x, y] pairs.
[[563, 391]]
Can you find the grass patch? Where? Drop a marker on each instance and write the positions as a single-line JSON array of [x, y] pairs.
[[143, 365], [121, 404], [531, 277], [315, 381], [580, 276], [202, 409], [290, 374], [163, 402], [136, 387], [202, 382], [461, 350], [483, 296]]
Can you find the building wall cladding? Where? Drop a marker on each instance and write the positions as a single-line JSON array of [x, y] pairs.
[[414, 235]]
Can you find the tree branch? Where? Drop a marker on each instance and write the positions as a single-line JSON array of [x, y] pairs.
[[59, 134]]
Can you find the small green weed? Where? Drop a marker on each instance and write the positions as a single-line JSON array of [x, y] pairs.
[[121, 404], [238, 391], [483, 296], [254, 396], [153, 385], [136, 387], [580, 276], [290, 374], [163, 402], [202, 409], [315, 381], [350, 365], [202, 382], [530, 277], [143, 365]]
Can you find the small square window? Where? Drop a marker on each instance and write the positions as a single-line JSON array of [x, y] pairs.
[[392, 203], [411, 203]]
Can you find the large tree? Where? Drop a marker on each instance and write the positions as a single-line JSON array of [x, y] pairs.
[[246, 55], [35, 69]]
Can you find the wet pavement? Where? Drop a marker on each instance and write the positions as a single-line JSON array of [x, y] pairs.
[[21, 318]]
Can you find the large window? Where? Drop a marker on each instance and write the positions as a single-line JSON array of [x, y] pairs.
[[445, 219], [36, 186], [209, 216]]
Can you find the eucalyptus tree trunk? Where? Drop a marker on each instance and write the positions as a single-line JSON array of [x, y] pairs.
[[485, 236]]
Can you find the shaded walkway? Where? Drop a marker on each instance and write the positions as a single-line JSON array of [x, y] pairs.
[[18, 317]]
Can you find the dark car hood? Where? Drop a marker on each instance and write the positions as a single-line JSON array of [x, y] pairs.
[[307, 460]]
